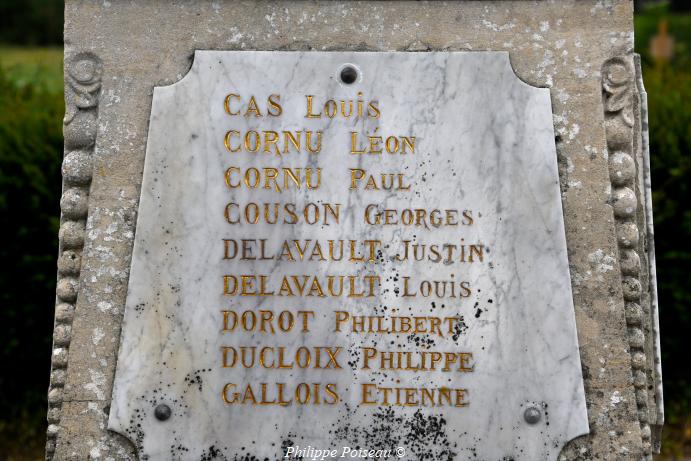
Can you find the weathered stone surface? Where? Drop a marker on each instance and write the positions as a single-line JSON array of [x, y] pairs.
[[137, 45]]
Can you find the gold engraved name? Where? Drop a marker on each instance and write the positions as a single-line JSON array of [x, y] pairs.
[[354, 251], [279, 394], [271, 142], [417, 360], [234, 105], [372, 394], [278, 179], [276, 357], [417, 217], [385, 181], [349, 286], [283, 213], [343, 108], [376, 144], [265, 321], [379, 324]]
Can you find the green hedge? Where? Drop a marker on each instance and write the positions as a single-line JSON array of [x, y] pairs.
[[669, 103], [30, 158]]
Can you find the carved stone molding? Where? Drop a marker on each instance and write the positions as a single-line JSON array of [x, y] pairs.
[[641, 142], [82, 90], [630, 199]]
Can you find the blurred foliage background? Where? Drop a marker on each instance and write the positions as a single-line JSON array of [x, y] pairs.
[[668, 84], [31, 109]]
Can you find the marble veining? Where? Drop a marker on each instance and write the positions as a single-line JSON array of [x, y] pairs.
[[484, 144]]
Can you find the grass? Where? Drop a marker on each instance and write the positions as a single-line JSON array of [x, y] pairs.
[[38, 66]]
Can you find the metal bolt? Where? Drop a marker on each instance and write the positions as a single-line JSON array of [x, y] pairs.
[[162, 412], [348, 75], [532, 415]]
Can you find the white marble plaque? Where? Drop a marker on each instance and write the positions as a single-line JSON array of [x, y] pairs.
[[325, 266]]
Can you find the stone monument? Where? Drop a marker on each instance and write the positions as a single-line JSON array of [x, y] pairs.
[[315, 230]]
